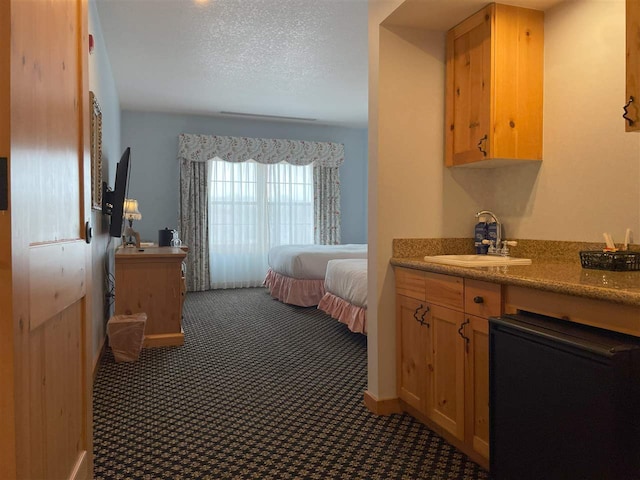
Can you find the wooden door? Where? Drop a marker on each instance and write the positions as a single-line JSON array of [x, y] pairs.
[[468, 94], [477, 385], [45, 377], [447, 365], [413, 346], [632, 114]]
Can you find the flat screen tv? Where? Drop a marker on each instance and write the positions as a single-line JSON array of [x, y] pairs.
[[113, 200]]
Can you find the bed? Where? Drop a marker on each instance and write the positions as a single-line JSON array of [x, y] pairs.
[[345, 297], [297, 272]]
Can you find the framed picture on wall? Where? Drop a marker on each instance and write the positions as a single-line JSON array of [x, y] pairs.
[[96, 152]]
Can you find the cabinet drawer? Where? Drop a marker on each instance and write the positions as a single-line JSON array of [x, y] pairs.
[[482, 299], [410, 283], [444, 290]]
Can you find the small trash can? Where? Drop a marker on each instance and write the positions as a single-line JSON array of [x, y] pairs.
[[126, 335]]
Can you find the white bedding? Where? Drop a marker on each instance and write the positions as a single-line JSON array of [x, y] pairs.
[[347, 279], [310, 261]]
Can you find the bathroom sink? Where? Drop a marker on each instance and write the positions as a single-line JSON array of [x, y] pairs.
[[476, 260]]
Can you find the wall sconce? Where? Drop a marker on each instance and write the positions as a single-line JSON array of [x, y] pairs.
[[131, 238]]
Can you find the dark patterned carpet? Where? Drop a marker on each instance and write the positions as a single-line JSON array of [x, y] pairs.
[[260, 390]]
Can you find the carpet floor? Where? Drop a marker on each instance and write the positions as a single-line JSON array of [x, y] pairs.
[[260, 390]]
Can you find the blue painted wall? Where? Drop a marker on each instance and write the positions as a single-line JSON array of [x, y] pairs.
[[154, 176], [102, 84]]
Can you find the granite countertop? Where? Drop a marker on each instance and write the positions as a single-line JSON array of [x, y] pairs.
[[549, 271]]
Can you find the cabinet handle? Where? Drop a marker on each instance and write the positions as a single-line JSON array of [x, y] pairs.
[[483, 150], [626, 111], [466, 339], [421, 320], [415, 314], [478, 299]]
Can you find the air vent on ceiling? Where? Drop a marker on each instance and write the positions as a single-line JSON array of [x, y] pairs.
[[275, 117]]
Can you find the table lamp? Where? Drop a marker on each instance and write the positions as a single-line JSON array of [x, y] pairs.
[[131, 238]]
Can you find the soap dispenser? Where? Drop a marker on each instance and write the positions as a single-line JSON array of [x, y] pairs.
[[481, 232]]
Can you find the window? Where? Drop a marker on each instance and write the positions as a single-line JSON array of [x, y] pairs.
[[253, 207]]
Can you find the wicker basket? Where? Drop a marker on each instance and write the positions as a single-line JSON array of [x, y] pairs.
[[615, 261]]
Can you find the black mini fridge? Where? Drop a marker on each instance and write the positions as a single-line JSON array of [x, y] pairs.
[[564, 401]]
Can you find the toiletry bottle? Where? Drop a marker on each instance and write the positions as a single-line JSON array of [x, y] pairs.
[[480, 234]]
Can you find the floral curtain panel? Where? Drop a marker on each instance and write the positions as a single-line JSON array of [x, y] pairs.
[[195, 150], [194, 224], [326, 205]]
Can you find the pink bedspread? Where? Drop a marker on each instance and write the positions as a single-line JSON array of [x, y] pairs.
[[304, 293], [353, 316]]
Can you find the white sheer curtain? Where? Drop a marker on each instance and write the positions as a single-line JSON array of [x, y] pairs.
[[252, 207]]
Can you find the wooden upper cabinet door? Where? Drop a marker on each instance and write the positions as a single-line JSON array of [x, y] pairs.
[[494, 87], [632, 107], [468, 69]]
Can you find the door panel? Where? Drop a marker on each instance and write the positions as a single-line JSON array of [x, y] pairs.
[[57, 278], [471, 88], [448, 370], [413, 344], [477, 385], [56, 394]]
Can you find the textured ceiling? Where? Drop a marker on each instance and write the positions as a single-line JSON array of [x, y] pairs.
[[294, 58], [291, 58]]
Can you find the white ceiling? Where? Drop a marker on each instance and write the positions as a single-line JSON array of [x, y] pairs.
[[294, 58], [290, 58]]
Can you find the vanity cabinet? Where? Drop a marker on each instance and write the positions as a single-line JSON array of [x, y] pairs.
[[494, 86], [443, 353], [632, 106]]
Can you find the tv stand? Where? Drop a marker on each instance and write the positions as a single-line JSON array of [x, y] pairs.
[[150, 280]]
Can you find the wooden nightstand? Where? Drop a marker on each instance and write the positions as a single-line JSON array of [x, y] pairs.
[[150, 280]]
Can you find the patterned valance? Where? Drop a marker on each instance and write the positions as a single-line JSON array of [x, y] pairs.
[[200, 148]]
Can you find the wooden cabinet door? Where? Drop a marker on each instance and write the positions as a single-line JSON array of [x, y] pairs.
[[632, 115], [413, 346], [468, 90], [477, 385], [447, 367], [494, 86]]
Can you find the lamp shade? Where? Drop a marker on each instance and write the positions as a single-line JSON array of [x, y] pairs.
[[131, 211]]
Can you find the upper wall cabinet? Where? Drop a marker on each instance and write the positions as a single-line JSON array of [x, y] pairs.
[[632, 108], [494, 87]]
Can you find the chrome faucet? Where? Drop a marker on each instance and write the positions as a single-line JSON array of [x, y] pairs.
[[497, 245]]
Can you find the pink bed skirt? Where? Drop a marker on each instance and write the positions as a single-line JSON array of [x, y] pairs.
[[353, 316], [304, 293]]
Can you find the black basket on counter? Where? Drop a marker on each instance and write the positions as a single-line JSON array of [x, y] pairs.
[[615, 261]]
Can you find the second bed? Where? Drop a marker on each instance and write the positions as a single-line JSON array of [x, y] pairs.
[[346, 293]]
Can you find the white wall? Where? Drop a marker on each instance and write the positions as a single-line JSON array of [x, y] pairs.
[[102, 84], [588, 182]]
